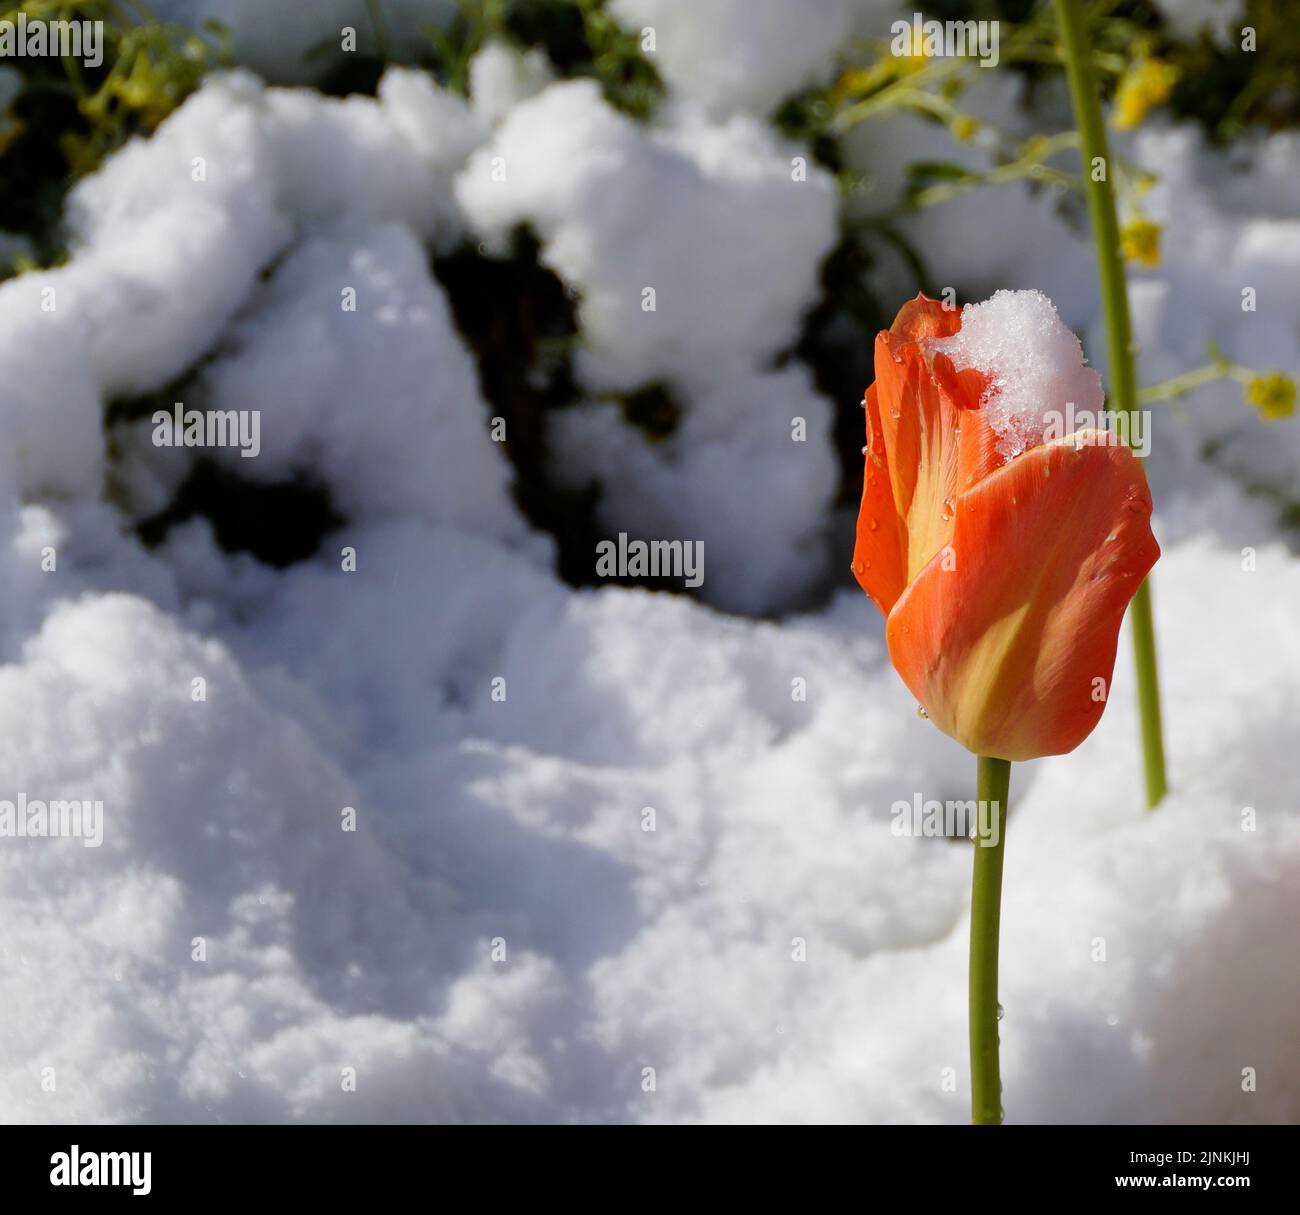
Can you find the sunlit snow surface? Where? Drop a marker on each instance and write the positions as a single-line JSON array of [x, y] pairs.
[[1148, 960]]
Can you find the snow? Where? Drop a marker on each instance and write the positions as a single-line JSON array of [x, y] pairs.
[[1233, 231], [397, 356], [613, 220], [1190, 18], [503, 937], [719, 223], [1033, 364], [1031, 246], [500, 78], [670, 949], [730, 56]]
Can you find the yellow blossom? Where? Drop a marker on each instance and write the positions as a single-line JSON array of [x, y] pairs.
[[964, 128], [1273, 394], [1140, 241], [1145, 85]]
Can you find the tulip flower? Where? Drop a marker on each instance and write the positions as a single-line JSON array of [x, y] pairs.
[[1003, 579], [1003, 559]]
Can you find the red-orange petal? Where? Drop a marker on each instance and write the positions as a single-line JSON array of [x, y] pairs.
[[923, 317], [879, 555], [1005, 634], [936, 439]]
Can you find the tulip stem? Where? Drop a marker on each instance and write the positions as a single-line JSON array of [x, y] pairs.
[[1119, 340], [985, 915]]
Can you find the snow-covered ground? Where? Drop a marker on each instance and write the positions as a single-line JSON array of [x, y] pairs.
[[617, 855]]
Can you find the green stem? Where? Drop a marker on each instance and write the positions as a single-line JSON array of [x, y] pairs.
[[1119, 337], [1148, 686], [1181, 385], [985, 915]]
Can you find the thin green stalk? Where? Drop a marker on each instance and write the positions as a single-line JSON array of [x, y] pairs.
[[985, 915], [1119, 337]]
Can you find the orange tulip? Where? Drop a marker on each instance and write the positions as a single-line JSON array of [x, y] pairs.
[[1003, 580]]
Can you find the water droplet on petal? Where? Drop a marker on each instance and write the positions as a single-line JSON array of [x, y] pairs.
[[920, 712], [866, 565], [872, 525], [946, 513], [857, 567], [1002, 1012], [893, 413]]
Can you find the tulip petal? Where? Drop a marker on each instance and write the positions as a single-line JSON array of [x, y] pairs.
[[879, 556], [937, 442], [1005, 634], [923, 317]]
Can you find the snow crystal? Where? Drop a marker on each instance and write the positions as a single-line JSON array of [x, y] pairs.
[[1034, 364]]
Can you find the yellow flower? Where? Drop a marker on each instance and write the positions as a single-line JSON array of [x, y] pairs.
[[1273, 394], [1140, 241], [964, 128], [1145, 85]]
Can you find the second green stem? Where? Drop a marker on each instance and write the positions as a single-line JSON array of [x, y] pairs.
[[1119, 340]]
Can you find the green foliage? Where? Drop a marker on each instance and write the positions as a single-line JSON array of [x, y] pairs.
[[1228, 89], [67, 117], [578, 36], [582, 39]]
